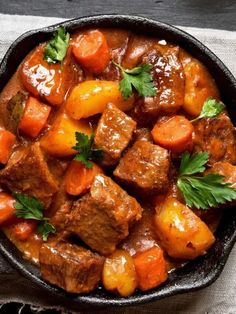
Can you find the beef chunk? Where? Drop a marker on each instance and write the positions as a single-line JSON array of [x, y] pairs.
[[217, 137], [27, 172], [113, 133], [168, 78], [145, 168], [143, 134], [70, 267], [102, 217]]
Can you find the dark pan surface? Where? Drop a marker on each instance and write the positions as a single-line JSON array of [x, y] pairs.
[[196, 274]]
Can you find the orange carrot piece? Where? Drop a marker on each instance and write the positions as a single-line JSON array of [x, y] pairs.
[[174, 134], [91, 51], [24, 229], [34, 117], [150, 267], [7, 210], [7, 140], [78, 178]]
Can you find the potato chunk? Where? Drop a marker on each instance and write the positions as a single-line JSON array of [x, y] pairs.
[[91, 97], [182, 233], [199, 85], [119, 274], [60, 139]]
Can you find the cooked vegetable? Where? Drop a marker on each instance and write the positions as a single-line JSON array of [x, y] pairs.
[[29, 207], [182, 233], [55, 50], [119, 274], [34, 118], [7, 140], [15, 108], [199, 86], [85, 146], [202, 192], [24, 229], [7, 209], [60, 139], [46, 80], [211, 109], [91, 97], [138, 78], [79, 178], [91, 51], [175, 133], [150, 267]]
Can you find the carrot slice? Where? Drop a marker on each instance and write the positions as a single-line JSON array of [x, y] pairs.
[[91, 51], [7, 140], [7, 210], [34, 117], [150, 267], [78, 178], [174, 134], [24, 229]]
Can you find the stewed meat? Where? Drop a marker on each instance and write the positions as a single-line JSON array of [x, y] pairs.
[[145, 168], [113, 133], [217, 137], [168, 78], [102, 217], [28, 172], [70, 267]]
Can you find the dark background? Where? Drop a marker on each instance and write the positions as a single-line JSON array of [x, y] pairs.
[[219, 14], [200, 13]]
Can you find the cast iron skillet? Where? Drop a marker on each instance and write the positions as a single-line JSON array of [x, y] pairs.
[[196, 274]]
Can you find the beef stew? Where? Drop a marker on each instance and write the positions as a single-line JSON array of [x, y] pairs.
[[86, 96]]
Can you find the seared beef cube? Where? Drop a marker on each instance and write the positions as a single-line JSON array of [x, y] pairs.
[[145, 168], [217, 137], [113, 133], [102, 217], [27, 172], [70, 267], [168, 78]]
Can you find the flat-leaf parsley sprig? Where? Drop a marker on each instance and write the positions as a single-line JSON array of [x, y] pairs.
[[211, 109], [29, 207], [87, 150], [138, 78], [55, 50], [202, 191]]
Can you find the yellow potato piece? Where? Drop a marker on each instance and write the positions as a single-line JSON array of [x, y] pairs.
[[182, 233], [60, 139], [199, 85], [91, 97], [119, 275]]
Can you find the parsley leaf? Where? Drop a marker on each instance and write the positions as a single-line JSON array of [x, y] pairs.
[[29, 207], [138, 78], [206, 191], [211, 109], [45, 228], [55, 50], [87, 151]]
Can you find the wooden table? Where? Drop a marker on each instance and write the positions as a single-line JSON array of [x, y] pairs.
[[199, 13]]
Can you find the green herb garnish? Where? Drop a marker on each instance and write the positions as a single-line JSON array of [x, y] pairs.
[[29, 207], [138, 78], [202, 191], [211, 109], [87, 151], [55, 50]]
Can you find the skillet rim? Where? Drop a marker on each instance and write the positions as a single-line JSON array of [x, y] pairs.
[[215, 66]]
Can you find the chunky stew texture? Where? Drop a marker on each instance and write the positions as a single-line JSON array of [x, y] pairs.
[[117, 160]]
